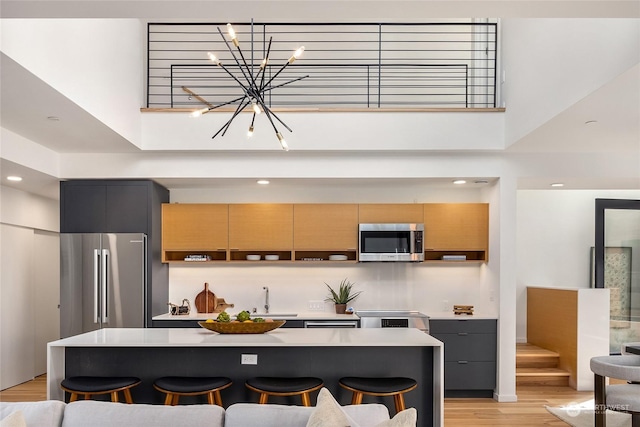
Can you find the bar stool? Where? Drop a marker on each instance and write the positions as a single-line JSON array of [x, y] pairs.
[[174, 387], [284, 386], [89, 386], [390, 386]]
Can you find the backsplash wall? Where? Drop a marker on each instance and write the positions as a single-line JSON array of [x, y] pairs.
[[384, 285]]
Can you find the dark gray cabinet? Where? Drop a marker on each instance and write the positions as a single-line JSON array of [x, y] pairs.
[[121, 206], [470, 347]]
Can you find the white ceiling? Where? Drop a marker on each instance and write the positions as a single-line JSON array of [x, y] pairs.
[[23, 96]]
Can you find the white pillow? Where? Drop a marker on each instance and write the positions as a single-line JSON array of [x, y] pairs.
[[14, 419], [328, 413]]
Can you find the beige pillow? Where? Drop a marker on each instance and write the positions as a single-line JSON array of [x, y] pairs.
[[328, 413], [14, 419]]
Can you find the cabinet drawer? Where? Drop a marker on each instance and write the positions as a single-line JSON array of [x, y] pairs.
[[468, 347], [469, 376], [470, 326]]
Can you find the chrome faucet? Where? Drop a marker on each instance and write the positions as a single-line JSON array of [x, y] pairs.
[[266, 300]]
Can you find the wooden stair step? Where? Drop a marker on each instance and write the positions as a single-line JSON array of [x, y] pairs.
[[531, 356], [542, 376]]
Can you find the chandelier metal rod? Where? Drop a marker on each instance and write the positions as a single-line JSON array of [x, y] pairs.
[[249, 80], [224, 128]]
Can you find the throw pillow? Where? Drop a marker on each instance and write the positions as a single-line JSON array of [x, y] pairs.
[[328, 413], [406, 418], [14, 419]]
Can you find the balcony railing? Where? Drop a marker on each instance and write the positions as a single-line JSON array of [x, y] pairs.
[[430, 65]]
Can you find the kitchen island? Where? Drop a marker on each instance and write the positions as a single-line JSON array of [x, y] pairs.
[[326, 353]]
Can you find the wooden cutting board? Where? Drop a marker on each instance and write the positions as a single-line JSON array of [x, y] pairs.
[[206, 301]]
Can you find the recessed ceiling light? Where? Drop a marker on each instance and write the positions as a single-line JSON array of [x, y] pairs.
[[53, 118], [459, 181], [481, 181], [14, 178], [263, 182], [557, 184]]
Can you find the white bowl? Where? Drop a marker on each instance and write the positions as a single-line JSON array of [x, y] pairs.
[[253, 257], [337, 257], [272, 257]]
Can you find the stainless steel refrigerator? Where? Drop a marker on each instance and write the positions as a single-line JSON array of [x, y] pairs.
[[103, 281]]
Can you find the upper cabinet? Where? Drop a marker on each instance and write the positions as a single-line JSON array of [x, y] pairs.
[[456, 229], [390, 213], [257, 228], [93, 206], [195, 229], [322, 230], [315, 232]]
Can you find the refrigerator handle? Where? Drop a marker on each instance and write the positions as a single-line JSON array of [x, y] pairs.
[[105, 281], [96, 280]]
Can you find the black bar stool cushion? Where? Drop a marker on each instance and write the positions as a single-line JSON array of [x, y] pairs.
[[284, 384], [379, 385], [97, 384], [191, 384]]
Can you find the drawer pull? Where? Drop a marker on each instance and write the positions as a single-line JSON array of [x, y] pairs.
[[462, 362], [462, 334]]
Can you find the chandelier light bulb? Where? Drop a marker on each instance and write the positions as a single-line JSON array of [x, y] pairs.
[[297, 54], [283, 143], [263, 63], [256, 107], [250, 132], [198, 113], [213, 58], [232, 34]]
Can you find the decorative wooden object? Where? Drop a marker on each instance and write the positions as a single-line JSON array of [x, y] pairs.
[[463, 309], [206, 301]]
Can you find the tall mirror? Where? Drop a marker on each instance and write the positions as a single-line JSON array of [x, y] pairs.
[[616, 259]]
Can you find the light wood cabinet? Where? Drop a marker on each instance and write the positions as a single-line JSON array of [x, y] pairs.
[[259, 228], [390, 213], [315, 231], [321, 230], [456, 229], [189, 229]]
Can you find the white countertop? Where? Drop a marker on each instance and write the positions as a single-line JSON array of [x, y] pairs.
[[448, 315], [282, 337], [312, 315]]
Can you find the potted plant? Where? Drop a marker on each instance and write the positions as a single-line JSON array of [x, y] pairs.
[[343, 296]]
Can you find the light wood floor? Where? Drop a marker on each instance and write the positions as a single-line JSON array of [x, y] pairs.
[[529, 411]]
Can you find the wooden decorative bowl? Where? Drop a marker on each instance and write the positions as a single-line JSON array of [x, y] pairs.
[[242, 327]]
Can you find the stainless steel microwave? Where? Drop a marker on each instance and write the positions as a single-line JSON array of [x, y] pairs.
[[391, 242]]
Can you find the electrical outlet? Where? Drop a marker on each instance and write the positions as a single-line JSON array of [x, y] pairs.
[[316, 305], [249, 359]]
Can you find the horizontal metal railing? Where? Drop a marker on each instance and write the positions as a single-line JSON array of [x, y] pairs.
[[431, 65]]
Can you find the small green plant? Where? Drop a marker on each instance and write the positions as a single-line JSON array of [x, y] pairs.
[[344, 294]]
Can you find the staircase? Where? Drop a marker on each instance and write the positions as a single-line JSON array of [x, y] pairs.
[[537, 366]]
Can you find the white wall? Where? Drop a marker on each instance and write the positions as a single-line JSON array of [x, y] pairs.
[[550, 64], [29, 283], [96, 63], [555, 231]]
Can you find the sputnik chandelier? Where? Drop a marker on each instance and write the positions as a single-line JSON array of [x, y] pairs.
[[254, 85]]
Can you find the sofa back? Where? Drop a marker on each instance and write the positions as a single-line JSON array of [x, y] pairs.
[[271, 415], [47, 413], [85, 413]]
